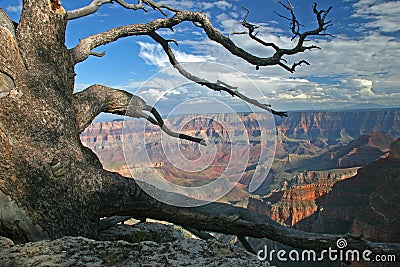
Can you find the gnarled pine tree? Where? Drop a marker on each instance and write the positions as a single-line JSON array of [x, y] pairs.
[[52, 186]]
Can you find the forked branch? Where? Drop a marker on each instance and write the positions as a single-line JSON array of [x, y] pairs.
[[251, 28], [85, 46], [98, 98], [95, 5], [216, 86], [295, 29]]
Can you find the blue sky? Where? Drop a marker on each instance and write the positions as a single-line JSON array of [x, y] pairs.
[[359, 65]]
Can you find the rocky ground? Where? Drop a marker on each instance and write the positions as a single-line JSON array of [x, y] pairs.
[[151, 244]]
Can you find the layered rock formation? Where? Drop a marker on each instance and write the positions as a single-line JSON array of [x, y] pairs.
[[300, 136], [366, 204], [293, 203], [314, 150], [149, 151], [358, 152], [334, 126], [297, 198]]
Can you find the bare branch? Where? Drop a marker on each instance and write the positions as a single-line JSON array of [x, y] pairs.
[[160, 122], [288, 6], [206, 236], [95, 5], [247, 13], [132, 6], [87, 10], [159, 6], [85, 46], [200, 234], [234, 33], [224, 218], [111, 221], [218, 86], [246, 244], [295, 28], [293, 67], [97, 98], [251, 28], [97, 54]]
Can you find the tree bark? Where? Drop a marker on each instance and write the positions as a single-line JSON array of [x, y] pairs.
[[47, 172]]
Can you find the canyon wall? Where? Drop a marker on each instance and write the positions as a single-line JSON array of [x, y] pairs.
[[366, 204], [310, 185], [293, 203], [302, 133]]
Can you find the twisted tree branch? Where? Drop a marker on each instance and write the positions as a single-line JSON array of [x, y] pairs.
[[98, 98], [251, 28], [246, 244], [218, 86], [226, 219], [295, 28], [95, 5], [82, 50], [160, 122], [87, 10]]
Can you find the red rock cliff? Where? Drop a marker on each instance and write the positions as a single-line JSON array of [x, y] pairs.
[[366, 204]]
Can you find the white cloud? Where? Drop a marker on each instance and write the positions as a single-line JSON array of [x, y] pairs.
[[293, 96], [348, 70], [374, 57], [360, 88], [80, 87], [365, 84], [180, 4], [233, 14], [152, 95], [366, 93], [368, 65], [223, 5], [383, 15], [153, 54], [14, 8]]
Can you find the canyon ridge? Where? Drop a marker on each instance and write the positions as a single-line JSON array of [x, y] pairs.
[[320, 159]]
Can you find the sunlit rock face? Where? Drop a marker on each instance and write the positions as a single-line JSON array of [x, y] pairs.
[[301, 134], [297, 199], [317, 154], [365, 204]]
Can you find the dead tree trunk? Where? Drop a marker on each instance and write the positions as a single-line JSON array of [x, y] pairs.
[[50, 184], [48, 180]]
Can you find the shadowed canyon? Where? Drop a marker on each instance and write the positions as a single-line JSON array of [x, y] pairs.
[[332, 171]]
